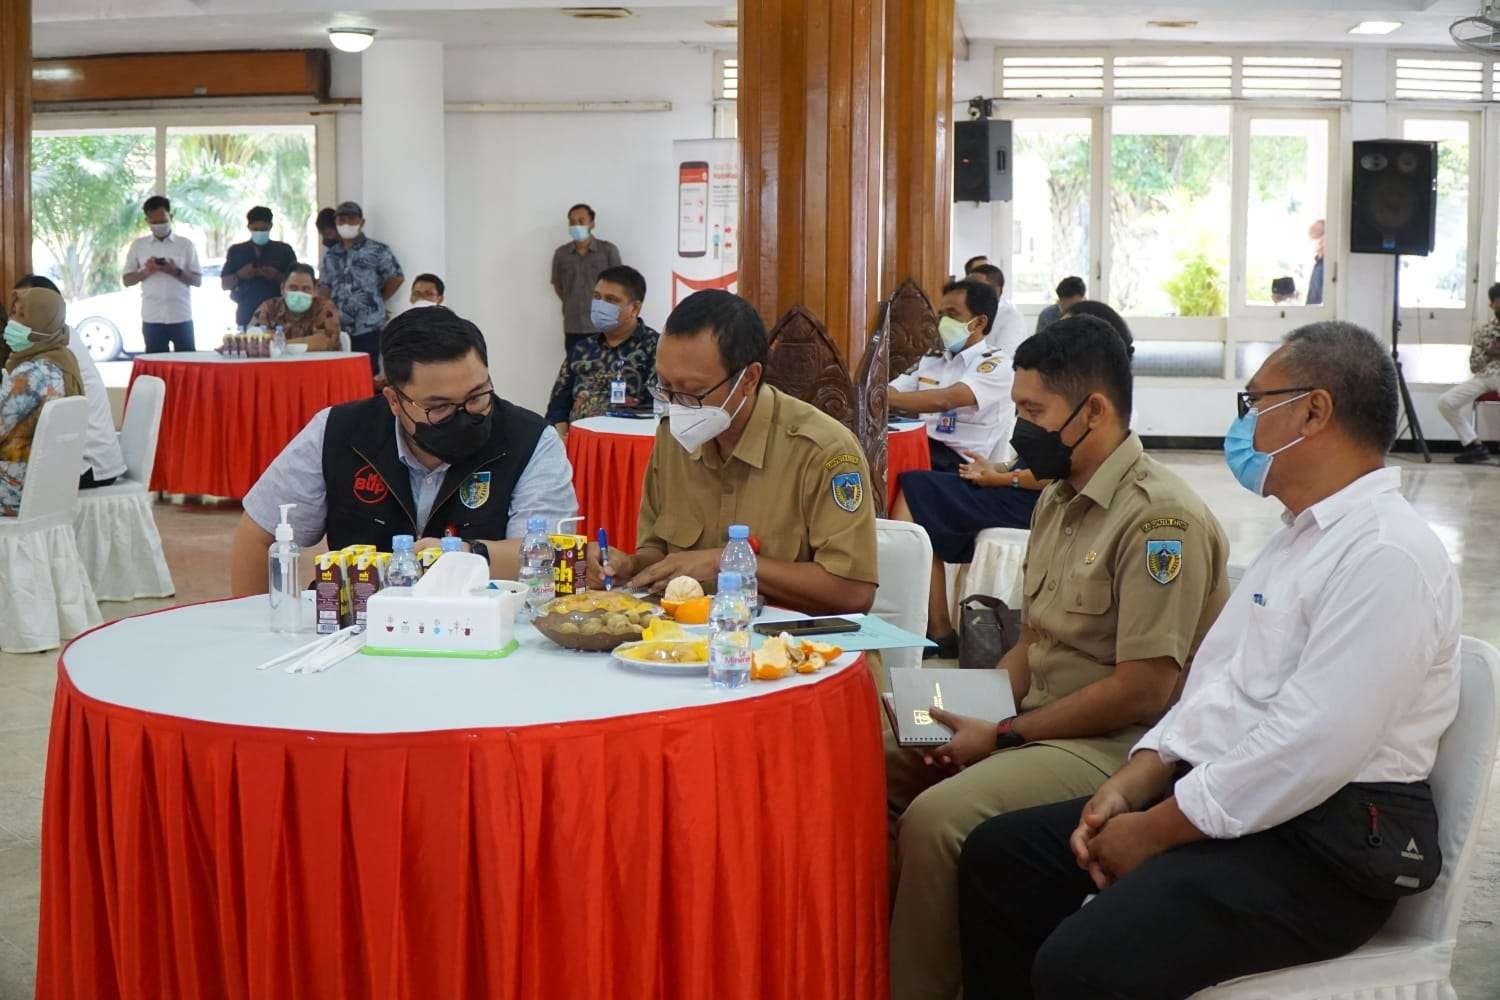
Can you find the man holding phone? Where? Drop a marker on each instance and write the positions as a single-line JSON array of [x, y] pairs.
[[165, 265]]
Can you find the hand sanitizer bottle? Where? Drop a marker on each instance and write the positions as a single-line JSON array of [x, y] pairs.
[[284, 577]]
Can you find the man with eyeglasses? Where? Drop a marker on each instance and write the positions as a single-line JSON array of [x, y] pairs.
[[437, 453], [736, 451]]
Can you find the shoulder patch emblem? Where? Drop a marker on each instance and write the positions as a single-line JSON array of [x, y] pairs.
[[1164, 560], [475, 491], [1164, 522], [848, 490], [985, 367], [844, 459]]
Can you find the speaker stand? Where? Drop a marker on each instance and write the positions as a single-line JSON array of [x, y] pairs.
[[1412, 424]]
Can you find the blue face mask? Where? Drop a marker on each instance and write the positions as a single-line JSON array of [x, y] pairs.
[[1251, 467], [604, 315], [260, 237], [578, 233]]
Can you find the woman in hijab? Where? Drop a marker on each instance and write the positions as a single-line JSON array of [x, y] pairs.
[[39, 368]]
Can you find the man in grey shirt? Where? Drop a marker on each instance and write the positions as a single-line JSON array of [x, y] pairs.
[[437, 453], [576, 266], [1070, 292]]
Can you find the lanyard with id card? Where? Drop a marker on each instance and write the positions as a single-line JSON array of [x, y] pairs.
[[617, 385], [947, 422]]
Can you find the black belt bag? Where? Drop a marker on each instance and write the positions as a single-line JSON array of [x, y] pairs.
[[1380, 838]]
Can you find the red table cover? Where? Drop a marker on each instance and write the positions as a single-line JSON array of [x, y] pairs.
[[223, 423], [729, 851], [906, 451], [608, 470]]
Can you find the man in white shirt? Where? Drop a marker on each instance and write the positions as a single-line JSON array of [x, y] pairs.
[[165, 265], [1247, 831], [1009, 328], [103, 461], [962, 391]]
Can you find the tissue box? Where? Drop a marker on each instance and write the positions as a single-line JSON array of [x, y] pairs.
[[451, 612]]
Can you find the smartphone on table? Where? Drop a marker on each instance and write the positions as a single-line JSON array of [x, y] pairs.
[[808, 626]]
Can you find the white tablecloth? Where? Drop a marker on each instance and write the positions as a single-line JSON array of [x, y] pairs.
[[215, 358], [199, 662], [619, 425]]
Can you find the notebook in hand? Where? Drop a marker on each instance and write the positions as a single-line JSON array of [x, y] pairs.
[[982, 694]]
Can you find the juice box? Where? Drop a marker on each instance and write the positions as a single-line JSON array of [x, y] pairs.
[[330, 584], [569, 564], [366, 576], [426, 557]]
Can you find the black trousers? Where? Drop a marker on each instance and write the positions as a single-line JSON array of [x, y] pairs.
[[88, 482], [159, 337], [1183, 921], [943, 458], [368, 343]]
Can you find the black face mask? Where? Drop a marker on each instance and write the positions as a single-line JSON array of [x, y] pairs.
[[331, 243], [1042, 450], [456, 438]]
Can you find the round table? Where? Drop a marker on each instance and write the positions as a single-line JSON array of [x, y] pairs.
[[610, 455], [224, 420], [547, 825]]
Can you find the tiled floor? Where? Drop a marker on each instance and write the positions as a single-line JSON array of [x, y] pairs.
[[1463, 505]]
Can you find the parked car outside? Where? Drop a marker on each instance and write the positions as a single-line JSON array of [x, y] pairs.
[[110, 324]]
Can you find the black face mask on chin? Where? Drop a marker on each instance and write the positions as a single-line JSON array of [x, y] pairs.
[[331, 243], [457, 438], [1042, 450]]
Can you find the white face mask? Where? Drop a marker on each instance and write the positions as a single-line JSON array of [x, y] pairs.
[[348, 232], [695, 426], [161, 230]]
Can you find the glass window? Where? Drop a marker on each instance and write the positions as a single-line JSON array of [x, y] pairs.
[[1288, 196], [1249, 355], [1050, 205], [1437, 281], [1178, 359], [1169, 210]]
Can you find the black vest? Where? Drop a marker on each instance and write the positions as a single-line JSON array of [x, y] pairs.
[[369, 489]]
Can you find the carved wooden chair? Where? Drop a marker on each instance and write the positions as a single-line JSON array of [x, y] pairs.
[[804, 363], [913, 327], [871, 385]]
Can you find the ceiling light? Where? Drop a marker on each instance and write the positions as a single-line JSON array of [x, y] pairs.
[[351, 39], [1374, 27]]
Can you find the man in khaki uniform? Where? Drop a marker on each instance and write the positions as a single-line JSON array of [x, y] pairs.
[[1124, 574], [734, 451]]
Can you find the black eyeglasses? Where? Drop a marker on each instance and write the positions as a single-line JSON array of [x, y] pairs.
[[1248, 398], [687, 398], [476, 405]]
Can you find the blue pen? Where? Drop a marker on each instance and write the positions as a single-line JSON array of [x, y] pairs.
[[609, 581]]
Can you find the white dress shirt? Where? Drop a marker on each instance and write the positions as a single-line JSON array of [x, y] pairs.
[[164, 299], [296, 476], [101, 449], [1335, 660], [1009, 329], [988, 374]]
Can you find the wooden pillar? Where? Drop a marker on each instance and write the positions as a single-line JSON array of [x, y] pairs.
[[918, 143], [810, 134], [15, 141]]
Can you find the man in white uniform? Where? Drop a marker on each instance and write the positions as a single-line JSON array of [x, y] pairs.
[[1273, 817], [165, 265], [963, 391], [1009, 328]]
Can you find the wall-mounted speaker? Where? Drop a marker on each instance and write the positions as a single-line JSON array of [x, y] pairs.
[[981, 161]]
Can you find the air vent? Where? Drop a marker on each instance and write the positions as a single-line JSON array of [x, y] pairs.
[[726, 76], [598, 13], [1437, 79], [1173, 76], [727, 23], [1172, 25], [1311, 77], [1051, 76]]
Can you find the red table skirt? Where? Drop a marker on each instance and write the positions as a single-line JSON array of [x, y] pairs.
[[222, 424], [730, 851], [608, 470], [906, 452]]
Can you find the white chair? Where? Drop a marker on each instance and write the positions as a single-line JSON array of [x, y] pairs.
[[1412, 955], [904, 555], [999, 555], [346, 344], [45, 595], [116, 527]]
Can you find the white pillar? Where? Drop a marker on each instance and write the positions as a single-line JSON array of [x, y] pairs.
[[401, 131]]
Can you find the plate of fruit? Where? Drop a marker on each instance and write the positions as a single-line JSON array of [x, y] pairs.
[[666, 648], [595, 621]]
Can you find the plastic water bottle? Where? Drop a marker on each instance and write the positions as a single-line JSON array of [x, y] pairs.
[[739, 558], [278, 342], [729, 635], [403, 571], [284, 581], [536, 566], [451, 543]]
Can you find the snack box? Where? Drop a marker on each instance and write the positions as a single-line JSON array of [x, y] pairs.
[[331, 603]]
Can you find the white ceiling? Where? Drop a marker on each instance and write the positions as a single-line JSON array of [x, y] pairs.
[[80, 27]]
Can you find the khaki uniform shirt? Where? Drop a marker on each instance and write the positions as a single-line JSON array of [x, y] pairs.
[[1131, 568], [797, 477]]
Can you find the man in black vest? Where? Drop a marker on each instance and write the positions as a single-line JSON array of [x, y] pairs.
[[437, 453]]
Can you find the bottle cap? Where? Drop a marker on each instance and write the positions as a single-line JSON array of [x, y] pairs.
[[739, 532], [284, 528], [728, 582], [401, 543], [536, 522]]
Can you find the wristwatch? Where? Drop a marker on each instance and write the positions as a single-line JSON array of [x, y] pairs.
[[1015, 481], [479, 549], [1006, 737]]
